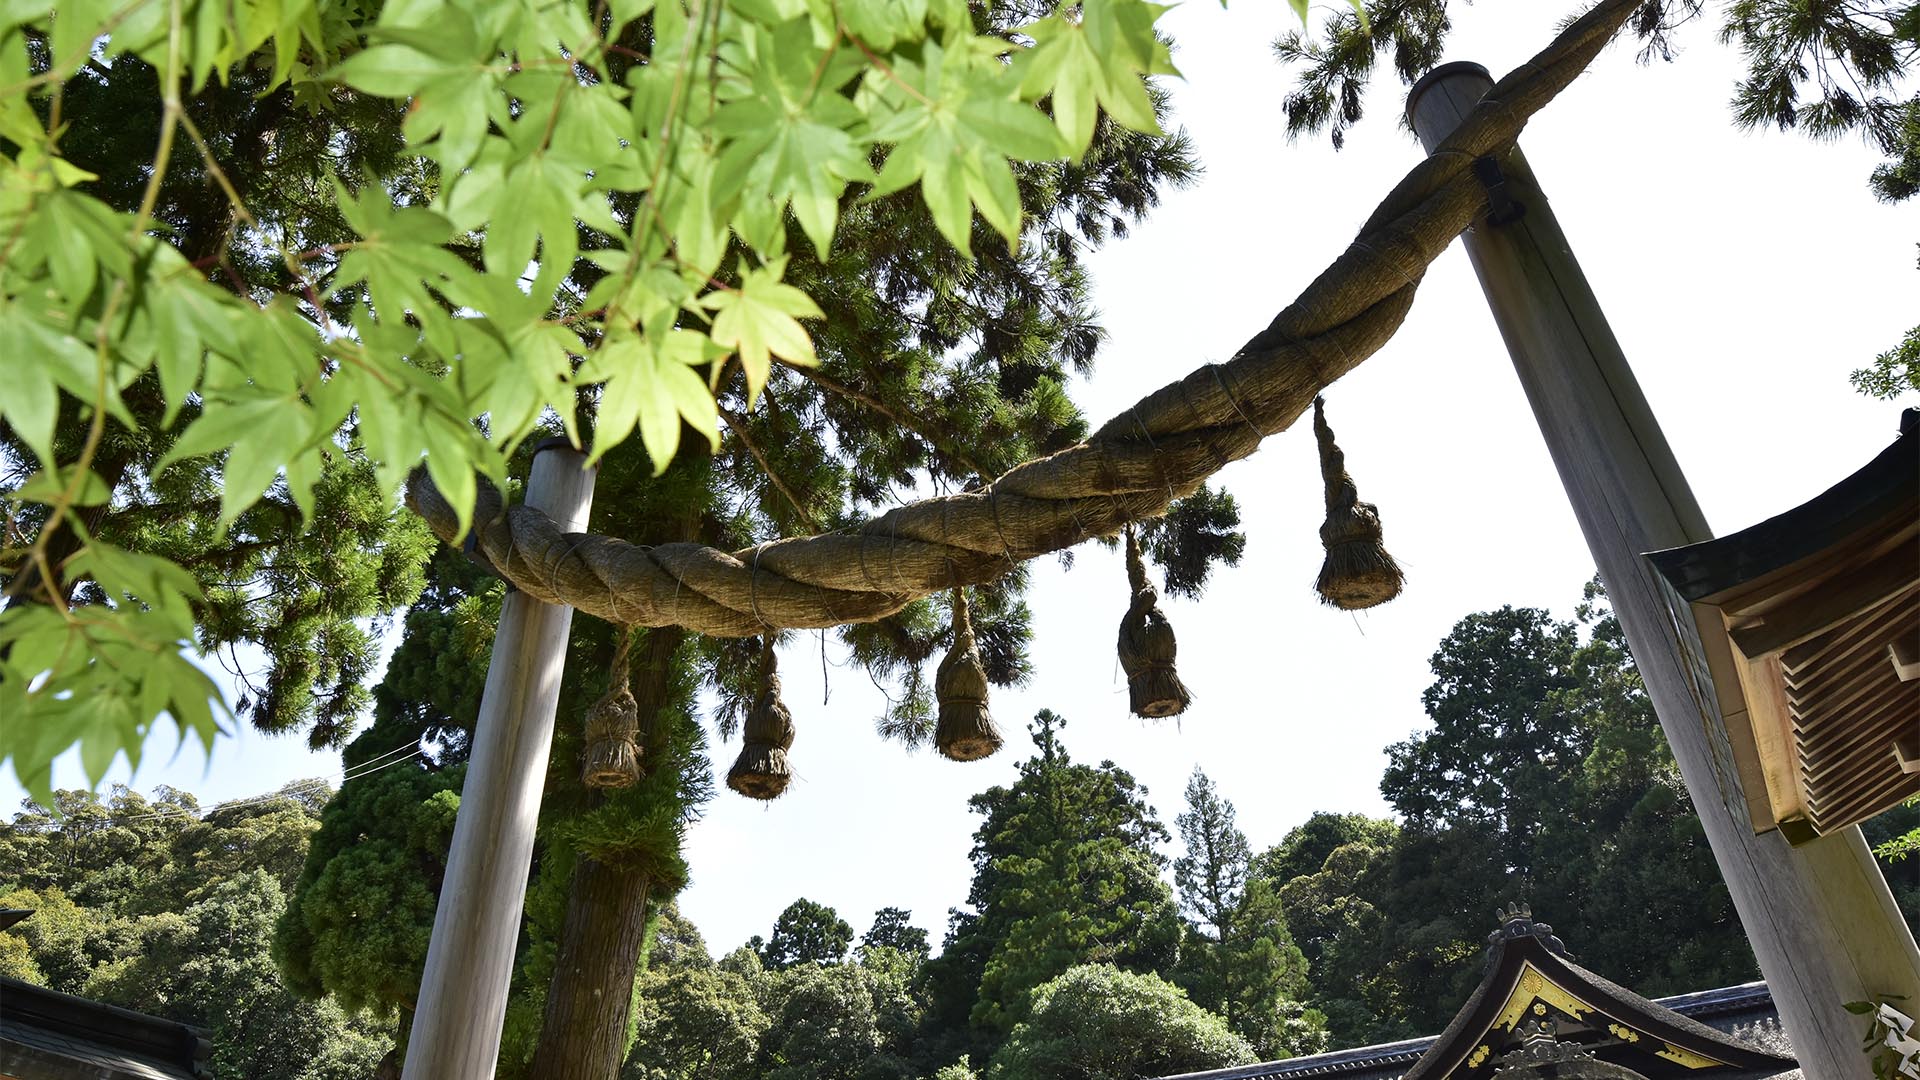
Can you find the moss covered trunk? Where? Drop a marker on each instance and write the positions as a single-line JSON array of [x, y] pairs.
[[583, 1033]]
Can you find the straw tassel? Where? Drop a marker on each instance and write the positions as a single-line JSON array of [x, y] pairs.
[[1147, 646], [966, 731], [1358, 572], [761, 771], [612, 758]]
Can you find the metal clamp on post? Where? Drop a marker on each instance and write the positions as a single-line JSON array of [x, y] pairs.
[[1502, 208]]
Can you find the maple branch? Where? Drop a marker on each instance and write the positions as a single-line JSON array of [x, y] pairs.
[[829, 383], [738, 426]]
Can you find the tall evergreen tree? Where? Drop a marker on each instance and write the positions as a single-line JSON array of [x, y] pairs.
[[892, 930], [1543, 778], [807, 933], [1211, 876], [1504, 744], [1065, 872], [1239, 959]]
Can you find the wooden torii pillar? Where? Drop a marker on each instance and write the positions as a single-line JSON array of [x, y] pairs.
[[1821, 920], [463, 992]]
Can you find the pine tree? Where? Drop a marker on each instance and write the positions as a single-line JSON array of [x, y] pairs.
[[1826, 69], [1212, 876], [807, 933], [892, 929], [1065, 872], [1239, 960]]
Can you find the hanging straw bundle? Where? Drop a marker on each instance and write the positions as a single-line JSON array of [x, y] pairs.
[[761, 771], [1147, 647], [1358, 572], [966, 731], [612, 758]]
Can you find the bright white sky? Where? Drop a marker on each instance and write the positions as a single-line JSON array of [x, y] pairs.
[[1746, 275]]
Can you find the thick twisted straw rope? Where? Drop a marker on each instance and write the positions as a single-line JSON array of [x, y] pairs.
[[1132, 468]]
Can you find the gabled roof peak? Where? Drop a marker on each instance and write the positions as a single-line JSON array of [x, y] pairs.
[[1533, 998]]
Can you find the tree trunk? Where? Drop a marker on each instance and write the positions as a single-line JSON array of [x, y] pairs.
[[583, 1035]]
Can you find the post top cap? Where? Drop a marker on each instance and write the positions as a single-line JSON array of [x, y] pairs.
[[1437, 75]]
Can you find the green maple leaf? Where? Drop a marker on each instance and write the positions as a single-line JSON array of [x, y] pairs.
[[955, 120], [759, 320], [650, 383], [791, 138], [1093, 63], [400, 252], [448, 72]]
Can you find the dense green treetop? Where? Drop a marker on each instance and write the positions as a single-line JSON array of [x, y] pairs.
[[696, 1022], [807, 933], [1305, 847], [892, 930], [209, 966], [1501, 746], [823, 1025], [673, 942], [1066, 871], [165, 908], [362, 910], [1097, 1022]]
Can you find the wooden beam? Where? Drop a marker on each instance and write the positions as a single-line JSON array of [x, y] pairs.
[[1909, 759], [463, 993], [1848, 595], [1773, 735], [1810, 657], [1905, 655], [1725, 667], [1820, 917]]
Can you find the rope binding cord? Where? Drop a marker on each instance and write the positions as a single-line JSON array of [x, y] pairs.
[[965, 731], [612, 757], [1147, 646], [1358, 572], [761, 771], [1126, 471]]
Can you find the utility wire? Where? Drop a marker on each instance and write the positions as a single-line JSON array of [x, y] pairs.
[[287, 790]]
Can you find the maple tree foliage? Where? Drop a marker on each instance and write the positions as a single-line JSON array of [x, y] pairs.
[[267, 253]]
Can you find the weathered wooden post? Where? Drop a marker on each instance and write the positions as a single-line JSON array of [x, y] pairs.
[[463, 995], [1820, 917]]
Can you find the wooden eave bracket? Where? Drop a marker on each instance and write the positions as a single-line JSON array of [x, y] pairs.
[[1906, 660], [1909, 762], [1733, 689]]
